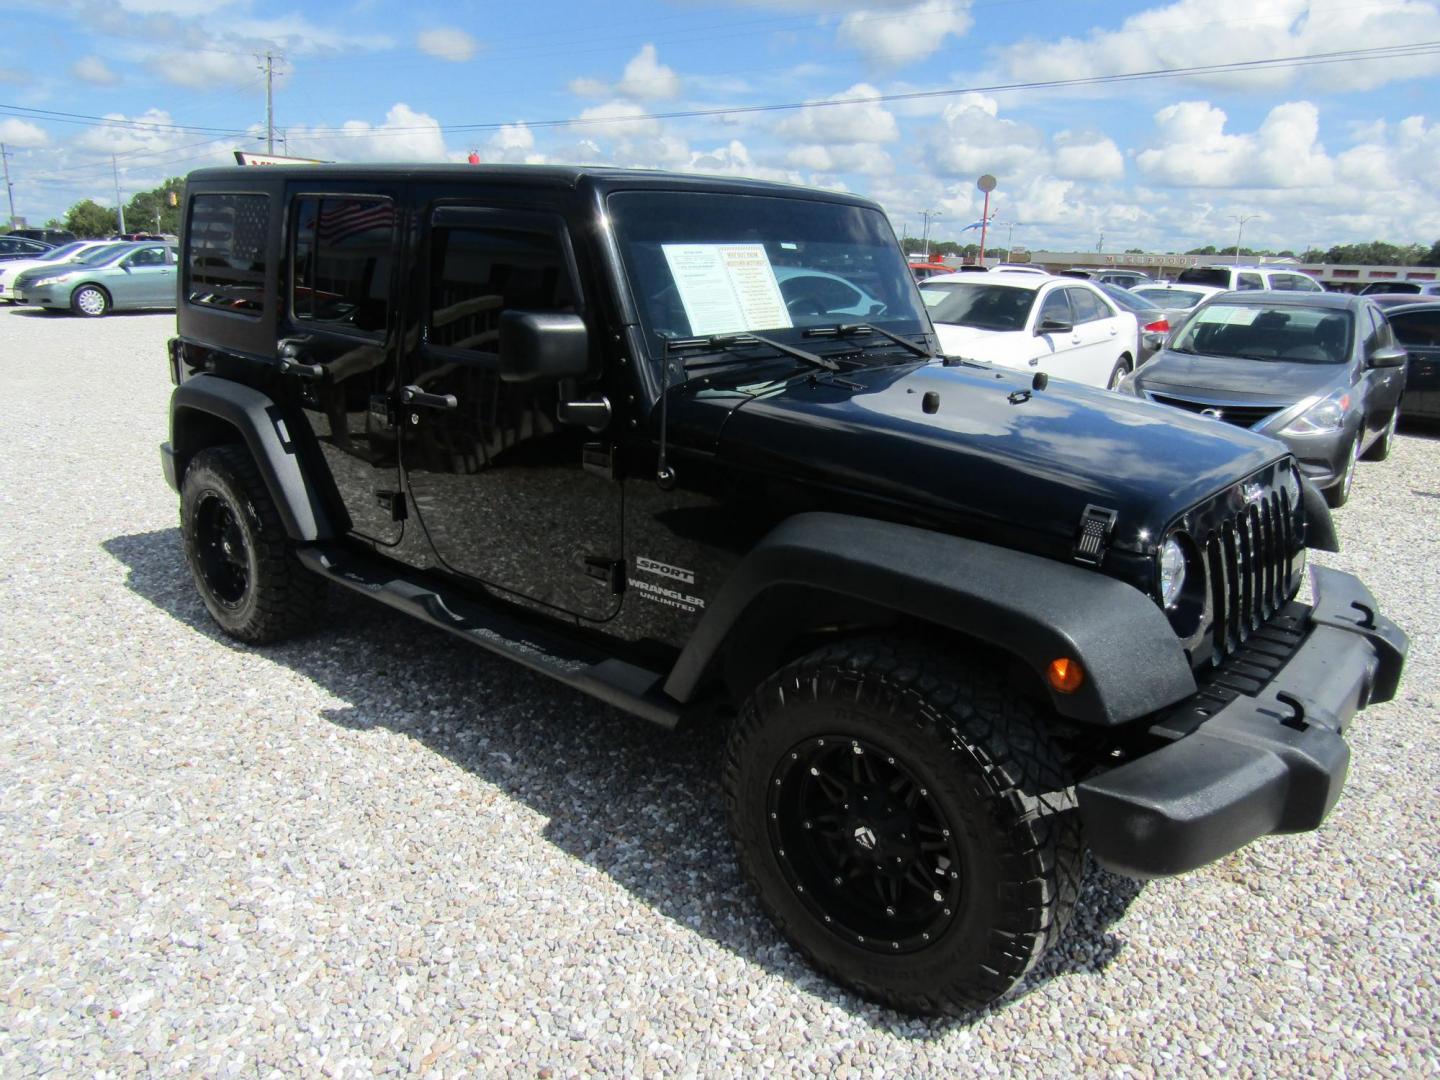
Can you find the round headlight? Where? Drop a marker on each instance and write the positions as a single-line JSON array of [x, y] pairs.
[[1172, 572]]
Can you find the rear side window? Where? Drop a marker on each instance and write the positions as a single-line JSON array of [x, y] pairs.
[[1283, 282], [479, 270], [342, 262], [1418, 328], [1251, 281], [225, 252], [1200, 275]]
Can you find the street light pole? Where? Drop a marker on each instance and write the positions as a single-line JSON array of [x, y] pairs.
[[1240, 231], [9, 188], [928, 215]]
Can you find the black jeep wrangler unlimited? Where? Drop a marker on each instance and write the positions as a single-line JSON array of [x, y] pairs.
[[685, 444]]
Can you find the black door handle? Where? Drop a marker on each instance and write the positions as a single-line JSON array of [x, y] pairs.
[[413, 395]]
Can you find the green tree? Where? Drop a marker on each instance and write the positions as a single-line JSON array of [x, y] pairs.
[[87, 219], [150, 211], [1433, 257]]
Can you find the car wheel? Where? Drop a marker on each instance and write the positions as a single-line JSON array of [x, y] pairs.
[[1380, 448], [90, 301], [1121, 369], [242, 562], [904, 818], [1338, 495]]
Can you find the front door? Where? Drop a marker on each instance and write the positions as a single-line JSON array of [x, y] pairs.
[[1385, 384], [341, 325], [1100, 343], [1053, 351], [148, 278], [497, 481]]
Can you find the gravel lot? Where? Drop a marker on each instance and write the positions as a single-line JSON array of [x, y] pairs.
[[379, 850]]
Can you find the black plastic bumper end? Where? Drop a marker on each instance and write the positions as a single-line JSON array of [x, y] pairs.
[[167, 463]]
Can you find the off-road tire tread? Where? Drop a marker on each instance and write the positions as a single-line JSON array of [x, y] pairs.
[[1003, 735], [288, 597]]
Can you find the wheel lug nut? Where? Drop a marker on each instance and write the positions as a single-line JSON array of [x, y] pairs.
[[938, 895]]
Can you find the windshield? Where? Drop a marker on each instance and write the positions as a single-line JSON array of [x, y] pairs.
[[60, 254], [102, 254], [1251, 332], [1128, 300], [1171, 299], [978, 304], [705, 263]]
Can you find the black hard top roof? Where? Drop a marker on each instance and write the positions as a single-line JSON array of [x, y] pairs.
[[561, 176], [1291, 298]]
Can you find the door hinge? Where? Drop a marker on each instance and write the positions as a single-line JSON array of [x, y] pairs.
[[599, 459], [393, 503], [611, 571]]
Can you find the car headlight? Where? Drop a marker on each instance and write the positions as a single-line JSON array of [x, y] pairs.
[[1326, 415], [1172, 572]]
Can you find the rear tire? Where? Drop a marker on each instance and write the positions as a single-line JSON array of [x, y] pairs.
[[242, 562], [869, 751], [90, 301], [1381, 447]]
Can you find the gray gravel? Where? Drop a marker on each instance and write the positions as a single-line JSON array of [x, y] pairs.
[[379, 850]]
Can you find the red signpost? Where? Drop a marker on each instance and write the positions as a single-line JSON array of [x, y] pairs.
[[986, 184]]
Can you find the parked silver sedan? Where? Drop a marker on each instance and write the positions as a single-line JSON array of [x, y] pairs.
[[131, 277]]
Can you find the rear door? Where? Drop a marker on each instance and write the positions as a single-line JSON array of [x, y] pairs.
[[1419, 332], [340, 325]]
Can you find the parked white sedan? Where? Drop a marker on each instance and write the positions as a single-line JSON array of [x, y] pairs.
[[1061, 326]]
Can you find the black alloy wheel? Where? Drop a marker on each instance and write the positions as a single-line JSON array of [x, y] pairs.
[[224, 557], [864, 845]]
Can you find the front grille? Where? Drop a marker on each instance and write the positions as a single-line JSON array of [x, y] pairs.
[[1247, 566], [1239, 415]]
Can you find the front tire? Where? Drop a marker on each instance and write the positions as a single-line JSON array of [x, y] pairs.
[[1381, 447], [90, 301], [249, 578], [906, 821], [1339, 495], [1121, 369]]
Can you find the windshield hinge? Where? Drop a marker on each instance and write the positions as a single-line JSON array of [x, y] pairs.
[[1096, 525]]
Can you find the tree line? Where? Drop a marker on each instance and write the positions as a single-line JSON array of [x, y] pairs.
[[157, 210], [1375, 253]]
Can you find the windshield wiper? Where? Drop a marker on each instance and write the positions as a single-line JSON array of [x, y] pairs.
[[840, 330], [731, 342]]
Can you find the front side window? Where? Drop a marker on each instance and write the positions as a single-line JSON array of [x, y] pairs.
[[147, 257], [1252, 332], [1056, 309], [341, 263], [479, 270], [1087, 306], [1251, 281], [224, 252]]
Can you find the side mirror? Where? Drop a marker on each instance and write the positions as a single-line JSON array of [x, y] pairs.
[[542, 346], [1054, 326], [1388, 356]]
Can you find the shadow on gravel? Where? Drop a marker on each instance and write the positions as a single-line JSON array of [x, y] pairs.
[[639, 803], [57, 313]]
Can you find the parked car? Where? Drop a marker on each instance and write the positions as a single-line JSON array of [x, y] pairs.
[[1321, 372], [1153, 320], [962, 627], [48, 236], [923, 270], [1412, 289], [1018, 268], [1417, 328], [817, 296], [1066, 328], [128, 277], [1235, 277], [21, 247], [1125, 279], [72, 252], [1176, 298]]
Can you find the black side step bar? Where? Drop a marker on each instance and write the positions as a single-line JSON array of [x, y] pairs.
[[616, 682]]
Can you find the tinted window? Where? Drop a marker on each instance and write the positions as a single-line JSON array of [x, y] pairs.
[[478, 272], [983, 306], [1056, 308], [225, 252], [154, 256], [1380, 333], [1418, 328], [1250, 281], [340, 271], [1200, 275], [1087, 306]]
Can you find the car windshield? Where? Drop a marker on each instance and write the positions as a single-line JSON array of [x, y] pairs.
[[102, 254], [1171, 299], [1128, 300], [1204, 275], [979, 304], [703, 264], [1252, 332], [60, 254]]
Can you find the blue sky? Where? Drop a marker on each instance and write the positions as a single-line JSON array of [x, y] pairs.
[[1314, 154]]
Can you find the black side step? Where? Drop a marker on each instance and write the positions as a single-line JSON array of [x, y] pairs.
[[616, 682]]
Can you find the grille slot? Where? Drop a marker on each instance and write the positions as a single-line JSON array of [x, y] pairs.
[[1248, 566], [1239, 415]]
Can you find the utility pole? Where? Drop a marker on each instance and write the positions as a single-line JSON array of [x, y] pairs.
[[9, 188], [1240, 231], [1099, 247], [1009, 236], [927, 215], [270, 103], [119, 206]]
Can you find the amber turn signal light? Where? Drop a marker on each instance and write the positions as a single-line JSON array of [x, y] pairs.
[[1065, 674]]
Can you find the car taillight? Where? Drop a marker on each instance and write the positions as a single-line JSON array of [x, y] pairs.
[[1159, 326]]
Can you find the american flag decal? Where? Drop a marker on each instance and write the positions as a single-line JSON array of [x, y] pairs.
[[341, 219]]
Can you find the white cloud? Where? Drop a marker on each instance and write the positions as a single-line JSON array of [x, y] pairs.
[[93, 70], [734, 159], [972, 138], [854, 122], [1194, 33], [1193, 149], [645, 78], [149, 130], [405, 135], [447, 43], [203, 69], [891, 37], [21, 134], [865, 159], [1087, 156], [618, 118]]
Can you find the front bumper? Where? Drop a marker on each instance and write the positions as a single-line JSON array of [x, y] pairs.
[[1269, 762], [1322, 458]]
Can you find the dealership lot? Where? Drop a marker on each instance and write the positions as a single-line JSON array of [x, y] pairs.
[[380, 849]]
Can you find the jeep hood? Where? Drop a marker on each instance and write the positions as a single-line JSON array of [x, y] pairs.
[[994, 457]]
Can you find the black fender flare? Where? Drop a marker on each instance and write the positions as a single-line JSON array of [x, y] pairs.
[[261, 426], [1035, 609], [1319, 524]]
